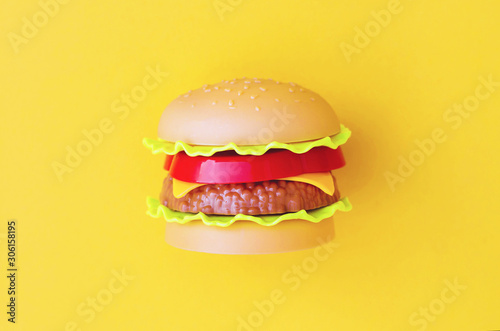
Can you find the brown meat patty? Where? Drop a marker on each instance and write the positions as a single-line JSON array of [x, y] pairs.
[[260, 198]]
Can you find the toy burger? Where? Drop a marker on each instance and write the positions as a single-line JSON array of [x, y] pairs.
[[249, 168]]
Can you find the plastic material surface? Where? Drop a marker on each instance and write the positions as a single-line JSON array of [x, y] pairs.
[[249, 238], [156, 209], [228, 167], [162, 146], [322, 180], [248, 112]]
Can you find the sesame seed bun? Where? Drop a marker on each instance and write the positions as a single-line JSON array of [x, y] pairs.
[[248, 112]]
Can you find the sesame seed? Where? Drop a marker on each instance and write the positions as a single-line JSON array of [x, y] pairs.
[[245, 87], [248, 82], [186, 95], [231, 82], [312, 99], [257, 108], [205, 86], [231, 102], [292, 84], [291, 90], [296, 100], [208, 90], [301, 89], [240, 93], [216, 87], [253, 97], [227, 89], [192, 106], [214, 102], [262, 89], [257, 81], [277, 100], [278, 82]]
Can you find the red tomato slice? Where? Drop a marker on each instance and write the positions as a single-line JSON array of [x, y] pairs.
[[168, 162], [228, 167]]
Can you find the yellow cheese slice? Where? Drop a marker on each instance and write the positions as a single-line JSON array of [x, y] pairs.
[[181, 188], [322, 180]]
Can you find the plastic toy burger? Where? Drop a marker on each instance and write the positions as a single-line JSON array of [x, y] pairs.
[[249, 166]]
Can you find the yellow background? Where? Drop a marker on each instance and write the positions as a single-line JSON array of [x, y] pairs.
[[396, 250]]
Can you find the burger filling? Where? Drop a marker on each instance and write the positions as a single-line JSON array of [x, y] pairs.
[[257, 198]]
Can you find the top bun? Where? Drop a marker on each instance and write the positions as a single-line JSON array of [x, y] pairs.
[[248, 112]]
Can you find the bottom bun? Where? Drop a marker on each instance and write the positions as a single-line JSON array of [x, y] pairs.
[[245, 237]]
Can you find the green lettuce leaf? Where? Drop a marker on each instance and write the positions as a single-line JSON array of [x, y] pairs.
[[156, 209], [172, 148]]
